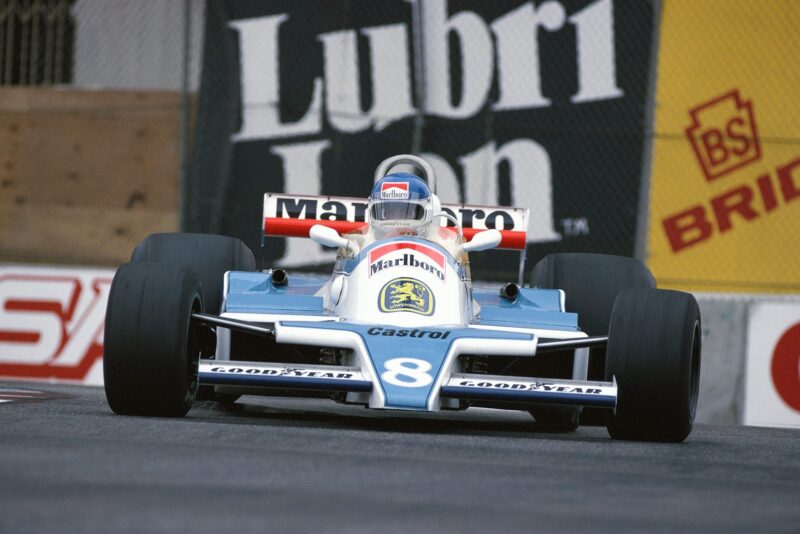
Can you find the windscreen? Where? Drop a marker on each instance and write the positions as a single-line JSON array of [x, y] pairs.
[[393, 211]]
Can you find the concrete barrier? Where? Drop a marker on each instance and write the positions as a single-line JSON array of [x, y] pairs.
[[727, 362]]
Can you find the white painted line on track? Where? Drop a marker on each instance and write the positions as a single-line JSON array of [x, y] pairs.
[[23, 395]]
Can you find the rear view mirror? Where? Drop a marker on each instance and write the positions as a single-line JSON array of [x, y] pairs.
[[483, 241], [327, 236]]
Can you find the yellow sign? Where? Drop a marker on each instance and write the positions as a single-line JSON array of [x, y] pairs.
[[725, 182]]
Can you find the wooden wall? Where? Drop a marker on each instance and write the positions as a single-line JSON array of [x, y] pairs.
[[85, 175]]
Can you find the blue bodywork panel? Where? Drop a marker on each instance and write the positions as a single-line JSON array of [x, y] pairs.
[[429, 345], [407, 361], [253, 292], [250, 292], [532, 308]]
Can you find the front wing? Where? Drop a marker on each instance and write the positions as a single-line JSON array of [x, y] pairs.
[[406, 369]]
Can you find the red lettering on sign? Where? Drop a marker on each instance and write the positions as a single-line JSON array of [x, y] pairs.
[[786, 367], [724, 145], [767, 192], [687, 228], [734, 206], [51, 326], [735, 201], [789, 188], [714, 147]]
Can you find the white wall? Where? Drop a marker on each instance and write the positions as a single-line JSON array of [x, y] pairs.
[[135, 44]]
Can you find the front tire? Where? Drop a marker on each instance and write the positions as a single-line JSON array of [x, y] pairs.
[[211, 256], [151, 355], [654, 353], [590, 283]]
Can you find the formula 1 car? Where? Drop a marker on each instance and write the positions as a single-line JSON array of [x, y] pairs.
[[399, 325]]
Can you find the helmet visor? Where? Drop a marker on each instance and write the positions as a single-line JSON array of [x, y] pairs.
[[397, 211]]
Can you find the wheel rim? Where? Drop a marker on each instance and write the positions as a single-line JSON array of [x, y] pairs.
[[192, 355], [694, 370]]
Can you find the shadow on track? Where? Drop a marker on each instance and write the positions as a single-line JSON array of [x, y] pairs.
[[485, 422]]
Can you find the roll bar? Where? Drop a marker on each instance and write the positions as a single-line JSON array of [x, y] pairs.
[[408, 159]]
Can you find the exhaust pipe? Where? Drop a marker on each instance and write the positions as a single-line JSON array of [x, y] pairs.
[[509, 291], [279, 277]]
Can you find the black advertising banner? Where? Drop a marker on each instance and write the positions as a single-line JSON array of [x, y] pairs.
[[539, 105]]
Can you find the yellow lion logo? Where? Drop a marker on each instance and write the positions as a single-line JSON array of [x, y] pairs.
[[404, 293]]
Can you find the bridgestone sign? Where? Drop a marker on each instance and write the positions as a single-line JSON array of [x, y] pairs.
[[538, 105]]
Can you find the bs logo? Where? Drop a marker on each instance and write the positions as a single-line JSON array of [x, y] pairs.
[[723, 134], [406, 294]]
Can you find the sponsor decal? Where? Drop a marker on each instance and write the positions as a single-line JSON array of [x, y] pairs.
[[786, 367], [534, 386], [772, 368], [354, 210], [394, 191], [724, 138], [725, 181], [316, 209], [407, 260], [488, 69], [51, 323], [743, 203], [406, 295], [378, 263], [723, 134], [391, 332], [301, 373]]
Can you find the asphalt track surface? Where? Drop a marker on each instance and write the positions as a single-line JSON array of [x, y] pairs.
[[67, 464]]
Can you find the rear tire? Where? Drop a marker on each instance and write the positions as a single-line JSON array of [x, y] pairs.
[[150, 356], [211, 256], [591, 283], [556, 418], [654, 353]]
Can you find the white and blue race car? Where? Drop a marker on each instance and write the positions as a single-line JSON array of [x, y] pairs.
[[399, 325]]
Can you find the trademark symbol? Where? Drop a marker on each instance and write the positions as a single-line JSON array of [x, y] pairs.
[[575, 227]]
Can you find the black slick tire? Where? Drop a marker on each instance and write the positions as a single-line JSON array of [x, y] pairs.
[[211, 256], [591, 282], [150, 356], [556, 418], [654, 352]]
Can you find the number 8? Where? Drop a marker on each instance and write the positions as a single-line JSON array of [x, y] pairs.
[[412, 368]]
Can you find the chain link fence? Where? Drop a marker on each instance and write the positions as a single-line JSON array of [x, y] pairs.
[[536, 105], [561, 128], [555, 106]]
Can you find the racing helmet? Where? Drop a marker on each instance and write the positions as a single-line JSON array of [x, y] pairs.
[[398, 201]]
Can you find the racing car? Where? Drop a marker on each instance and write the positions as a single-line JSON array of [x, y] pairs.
[[399, 325]]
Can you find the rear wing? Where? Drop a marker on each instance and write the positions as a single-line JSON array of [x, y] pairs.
[[293, 216]]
